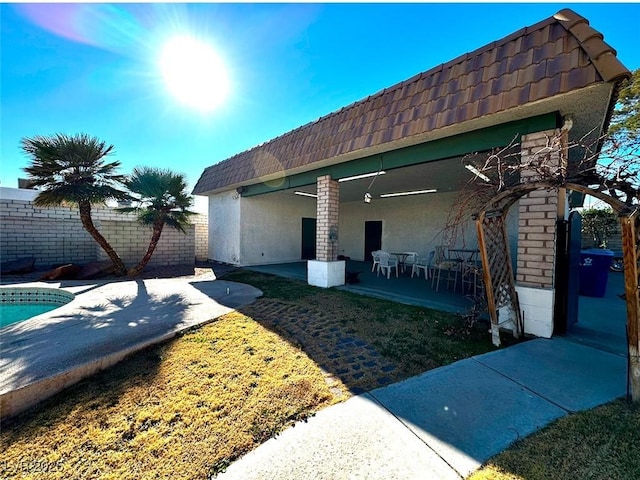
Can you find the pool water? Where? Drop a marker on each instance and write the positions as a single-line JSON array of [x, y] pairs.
[[21, 303], [16, 312]]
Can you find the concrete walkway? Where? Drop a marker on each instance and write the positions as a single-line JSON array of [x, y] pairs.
[[106, 321], [444, 423]]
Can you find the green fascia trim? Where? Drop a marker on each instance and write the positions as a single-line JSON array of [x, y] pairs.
[[455, 146]]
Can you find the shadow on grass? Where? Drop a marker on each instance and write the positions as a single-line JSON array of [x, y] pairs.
[[99, 391], [363, 342], [599, 443]]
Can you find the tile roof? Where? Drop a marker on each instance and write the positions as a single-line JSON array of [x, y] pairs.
[[552, 57]]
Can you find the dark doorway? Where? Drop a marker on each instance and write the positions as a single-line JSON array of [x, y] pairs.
[[308, 238], [372, 238]]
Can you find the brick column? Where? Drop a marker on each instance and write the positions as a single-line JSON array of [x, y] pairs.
[[537, 237], [537, 220], [325, 271], [327, 219]]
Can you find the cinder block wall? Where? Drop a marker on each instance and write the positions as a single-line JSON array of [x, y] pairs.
[[55, 235], [201, 232], [131, 241], [51, 235]]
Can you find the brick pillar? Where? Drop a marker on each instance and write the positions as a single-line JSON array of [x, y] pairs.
[[327, 219], [537, 220], [537, 237]]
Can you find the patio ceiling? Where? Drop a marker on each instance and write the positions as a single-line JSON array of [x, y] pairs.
[[444, 176]]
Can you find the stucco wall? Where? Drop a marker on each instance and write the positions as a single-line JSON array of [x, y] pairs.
[[224, 227], [413, 224], [268, 228], [272, 228]]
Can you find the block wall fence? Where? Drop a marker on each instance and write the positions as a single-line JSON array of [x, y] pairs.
[[54, 236], [614, 242]]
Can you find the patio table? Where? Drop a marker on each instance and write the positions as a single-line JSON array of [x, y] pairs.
[[463, 254], [402, 258]]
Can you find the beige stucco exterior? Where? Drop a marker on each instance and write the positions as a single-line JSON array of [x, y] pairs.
[[256, 230], [268, 228]]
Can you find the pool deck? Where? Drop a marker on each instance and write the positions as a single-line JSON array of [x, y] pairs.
[[106, 321]]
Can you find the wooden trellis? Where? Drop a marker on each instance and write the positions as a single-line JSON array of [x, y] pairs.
[[498, 273], [631, 246]]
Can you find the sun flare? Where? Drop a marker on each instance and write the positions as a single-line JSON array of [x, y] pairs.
[[194, 73]]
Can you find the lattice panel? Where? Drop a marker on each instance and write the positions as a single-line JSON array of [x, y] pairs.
[[498, 259], [498, 274]]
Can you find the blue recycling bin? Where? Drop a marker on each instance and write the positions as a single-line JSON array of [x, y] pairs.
[[594, 271]]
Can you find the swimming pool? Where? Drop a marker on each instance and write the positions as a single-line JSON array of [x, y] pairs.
[[21, 303]]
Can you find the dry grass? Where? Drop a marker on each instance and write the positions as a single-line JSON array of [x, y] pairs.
[[185, 409], [188, 408], [598, 444], [417, 339]]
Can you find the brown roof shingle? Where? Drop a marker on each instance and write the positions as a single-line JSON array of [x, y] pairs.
[[555, 56]]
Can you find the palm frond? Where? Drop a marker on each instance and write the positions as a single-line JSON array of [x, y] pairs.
[[72, 168], [161, 196]]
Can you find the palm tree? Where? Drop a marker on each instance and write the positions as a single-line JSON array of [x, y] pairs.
[[162, 200], [72, 169]]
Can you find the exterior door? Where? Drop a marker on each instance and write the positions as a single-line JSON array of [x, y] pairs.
[[372, 238], [308, 239]]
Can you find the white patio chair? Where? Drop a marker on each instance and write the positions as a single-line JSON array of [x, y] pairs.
[[423, 263], [387, 262], [376, 260]]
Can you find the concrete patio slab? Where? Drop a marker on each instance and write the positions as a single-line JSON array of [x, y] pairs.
[[444, 423], [354, 440], [572, 376]]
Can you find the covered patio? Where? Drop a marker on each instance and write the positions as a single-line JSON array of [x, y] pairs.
[[403, 289], [386, 172]]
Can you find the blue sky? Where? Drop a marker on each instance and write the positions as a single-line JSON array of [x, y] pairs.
[[95, 68]]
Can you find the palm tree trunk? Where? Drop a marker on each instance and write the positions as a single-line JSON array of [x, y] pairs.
[[87, 222], [155, 238]]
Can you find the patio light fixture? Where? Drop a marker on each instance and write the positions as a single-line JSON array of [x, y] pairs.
[[402, 194], [364, 175], [367, 195], [477, 172], [306, 194]]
